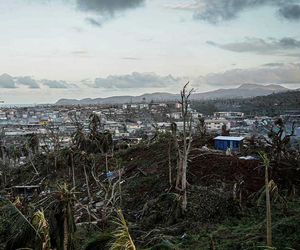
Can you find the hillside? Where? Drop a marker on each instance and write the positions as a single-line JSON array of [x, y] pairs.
[[273, 104], [243, 91], [152, 208]]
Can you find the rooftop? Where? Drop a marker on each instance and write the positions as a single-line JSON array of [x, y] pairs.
[[229, 138]]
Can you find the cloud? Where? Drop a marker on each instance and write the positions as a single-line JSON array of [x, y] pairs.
[[10, 82], [107, 7], [280, 74], [291, 12], [184, 6], [54, 84], [215, 11], [261, 46], [293, 54], [273, 64], [131, 58], [93, 22], [80, 53], [77, 29], [7, 81], [135, 80], [27, 81]]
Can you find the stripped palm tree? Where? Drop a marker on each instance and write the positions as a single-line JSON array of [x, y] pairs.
[[122, 238], [266, 163], [61, 206], [94, 136], [32, 147], [81, 144], [183, 148], [106, 143]]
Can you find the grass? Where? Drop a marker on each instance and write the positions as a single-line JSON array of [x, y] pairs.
[[248, 232]]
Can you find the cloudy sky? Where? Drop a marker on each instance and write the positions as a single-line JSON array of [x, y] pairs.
[[51, 49]]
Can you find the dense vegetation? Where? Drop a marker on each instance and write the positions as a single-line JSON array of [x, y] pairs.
[[271, 105]]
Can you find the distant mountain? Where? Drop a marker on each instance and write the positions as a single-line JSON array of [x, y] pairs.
[[273, 87], [120, 99], [243, 91]]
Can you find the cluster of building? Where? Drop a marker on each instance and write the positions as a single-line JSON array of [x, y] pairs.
[[131, 121]]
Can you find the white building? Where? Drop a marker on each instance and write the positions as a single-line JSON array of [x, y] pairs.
[[111, 126], [250, 122], [144, 106], [132, 127], [175, 115], [2, 115], [228, 114], [216, 124]]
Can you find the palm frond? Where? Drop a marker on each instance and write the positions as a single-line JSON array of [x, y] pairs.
[[274, 195], [265, 159], [20, 226], [41, 224], [122, 238]]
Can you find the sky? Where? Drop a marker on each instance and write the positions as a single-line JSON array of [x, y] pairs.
[[52, 49]]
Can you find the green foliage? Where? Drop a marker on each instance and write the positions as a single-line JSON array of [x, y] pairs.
[[165, 245], [165, 209], [271, 105], [22, 232], [247, 231], [98, 241], [204, 107]]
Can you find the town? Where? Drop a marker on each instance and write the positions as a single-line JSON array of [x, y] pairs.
[[134, 122]]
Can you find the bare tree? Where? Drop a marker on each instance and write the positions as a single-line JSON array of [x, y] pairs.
[[279, 138], [266, 163], [184, 146], [52, 137], [170, 163], [201, 127]]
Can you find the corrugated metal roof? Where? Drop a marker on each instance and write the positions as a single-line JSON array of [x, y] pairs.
[[229, 138]]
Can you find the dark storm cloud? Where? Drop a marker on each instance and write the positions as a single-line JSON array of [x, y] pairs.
[[135, 80], [215, 11], [93, 22], [288, 43], [260, 46], [54, 84], [291, 12], [27, 81], [280, 74], [108, 6], [7, 81]]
